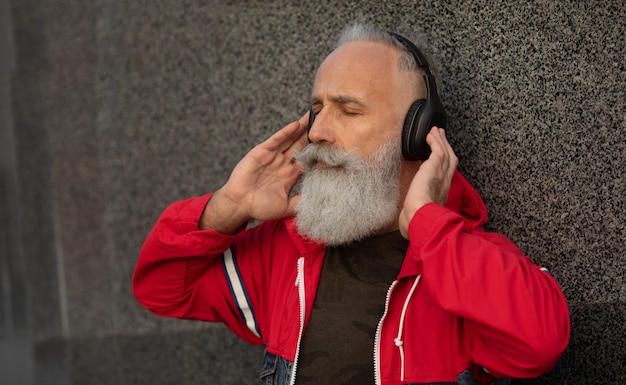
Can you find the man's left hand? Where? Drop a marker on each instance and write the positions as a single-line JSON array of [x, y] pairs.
[[431, 183]]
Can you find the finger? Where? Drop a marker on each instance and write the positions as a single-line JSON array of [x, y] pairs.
[[433, 139], [304, 120], [301, 141], [448, 159], [438, 135], [439, 153], [444, 140], [454, 160], [285, 137]]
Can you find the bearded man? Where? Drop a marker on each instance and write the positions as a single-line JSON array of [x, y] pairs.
[[377, 270]]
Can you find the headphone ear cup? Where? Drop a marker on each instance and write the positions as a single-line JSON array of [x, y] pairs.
[[413, 141], [311, 118]]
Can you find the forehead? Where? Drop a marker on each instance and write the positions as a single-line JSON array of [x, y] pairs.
[[358, 67]]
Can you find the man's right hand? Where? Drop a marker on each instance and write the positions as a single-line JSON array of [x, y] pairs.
[[260, 185]]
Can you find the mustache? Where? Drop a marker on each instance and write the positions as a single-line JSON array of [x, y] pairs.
[[326, 154]]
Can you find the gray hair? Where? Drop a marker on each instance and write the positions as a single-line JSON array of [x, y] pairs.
[[372, 33]]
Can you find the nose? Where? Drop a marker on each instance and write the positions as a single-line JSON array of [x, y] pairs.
[[320, 128]]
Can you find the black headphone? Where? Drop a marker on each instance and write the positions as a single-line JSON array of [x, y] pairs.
[[423, 113]]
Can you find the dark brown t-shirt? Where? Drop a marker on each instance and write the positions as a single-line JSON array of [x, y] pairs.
[[338, 343]]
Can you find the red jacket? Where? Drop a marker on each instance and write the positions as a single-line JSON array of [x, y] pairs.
[[464, 298]]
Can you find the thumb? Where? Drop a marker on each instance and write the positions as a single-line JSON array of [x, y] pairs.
[[403, 223], [293, 201]]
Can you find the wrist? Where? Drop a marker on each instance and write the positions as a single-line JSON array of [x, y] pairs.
[[415, 205], [223, 215]]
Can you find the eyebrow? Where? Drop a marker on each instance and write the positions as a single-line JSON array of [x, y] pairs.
[[340, 99]]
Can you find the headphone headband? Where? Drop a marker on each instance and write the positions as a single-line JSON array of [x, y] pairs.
[[413, 50]]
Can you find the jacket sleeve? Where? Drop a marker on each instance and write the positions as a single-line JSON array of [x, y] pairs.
[[182, 271], [515, 317]]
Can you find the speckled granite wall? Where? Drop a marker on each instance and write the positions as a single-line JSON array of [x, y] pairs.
[[122, 107]]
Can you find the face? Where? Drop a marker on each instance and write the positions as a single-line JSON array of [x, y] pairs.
[[360, 98], [354, 175]]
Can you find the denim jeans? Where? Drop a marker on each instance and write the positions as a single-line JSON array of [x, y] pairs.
[[276, 370]]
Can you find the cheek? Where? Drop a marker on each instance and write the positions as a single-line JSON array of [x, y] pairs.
[[370, 145], [365, 134], [382, 131]]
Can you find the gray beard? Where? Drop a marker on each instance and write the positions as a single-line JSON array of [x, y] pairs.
[[352, 198]]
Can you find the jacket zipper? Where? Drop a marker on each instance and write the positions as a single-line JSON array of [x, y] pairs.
[[377, 374], [302, 300], [398, 340]]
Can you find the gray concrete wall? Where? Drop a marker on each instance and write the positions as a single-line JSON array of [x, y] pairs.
[[111, 110]]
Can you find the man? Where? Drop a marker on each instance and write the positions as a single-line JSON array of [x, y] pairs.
[[378, 269]]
